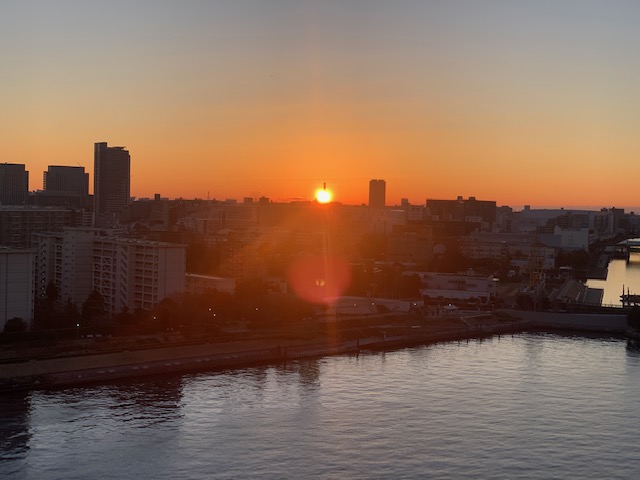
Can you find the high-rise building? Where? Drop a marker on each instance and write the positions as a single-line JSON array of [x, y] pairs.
[[66, 259], [377, 193], [111, 184], [63, 186], [137, 273], [68, 180], [14, 184], [127, 273]]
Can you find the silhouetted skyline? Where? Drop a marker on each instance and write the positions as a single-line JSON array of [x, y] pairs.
[[525, 103]]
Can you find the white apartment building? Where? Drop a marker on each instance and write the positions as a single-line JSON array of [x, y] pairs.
[[137, 273], [16, 284], [126, 272], [77, 262], [573, 239], [65, 258], [48, 261]]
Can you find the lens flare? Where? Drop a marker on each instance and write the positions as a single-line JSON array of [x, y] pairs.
[[316, 278]]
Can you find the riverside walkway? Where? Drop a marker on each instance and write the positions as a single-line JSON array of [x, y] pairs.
[[100, 367]]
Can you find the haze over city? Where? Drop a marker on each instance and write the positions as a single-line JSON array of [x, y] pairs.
[[526, 103]]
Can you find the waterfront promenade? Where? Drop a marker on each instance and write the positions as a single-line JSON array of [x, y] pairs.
[[73, 369]]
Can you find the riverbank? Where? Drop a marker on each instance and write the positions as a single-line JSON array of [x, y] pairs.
[[74, 370]]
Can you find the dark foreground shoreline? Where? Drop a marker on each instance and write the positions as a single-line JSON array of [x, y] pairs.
[[103, 367]]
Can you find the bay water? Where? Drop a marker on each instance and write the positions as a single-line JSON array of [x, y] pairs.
[[523, 406]]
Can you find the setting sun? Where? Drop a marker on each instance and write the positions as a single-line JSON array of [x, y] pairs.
[[323, 195]]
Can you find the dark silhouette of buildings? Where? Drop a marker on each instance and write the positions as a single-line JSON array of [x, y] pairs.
[[377, 193], [63, 186], [67, 180], [14, 184], [19, 222], [462, 210], [111, 184]]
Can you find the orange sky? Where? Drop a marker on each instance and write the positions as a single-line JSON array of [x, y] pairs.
[[528, 103]]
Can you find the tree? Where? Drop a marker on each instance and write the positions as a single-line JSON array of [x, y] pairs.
[[410, 286], [71, 314], [125, 317], [169, 314], [15, 325], [452, 260], [93, 308], [251, 290], [47, 312], [373, 245]]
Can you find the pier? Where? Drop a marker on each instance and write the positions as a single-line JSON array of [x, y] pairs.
[[629, 300], [625, 248]]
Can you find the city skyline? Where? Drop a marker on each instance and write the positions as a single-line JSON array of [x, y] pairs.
[[321, 195], [526, 104]]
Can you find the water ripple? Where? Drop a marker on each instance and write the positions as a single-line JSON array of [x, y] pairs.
[[529, 406]]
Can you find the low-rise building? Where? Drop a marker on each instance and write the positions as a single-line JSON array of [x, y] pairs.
[[453, 286], [410, 246], [196, 284], [511, 249], [567, 238]]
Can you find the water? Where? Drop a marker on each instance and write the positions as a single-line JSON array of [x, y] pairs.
[[620, 274], [529, 406]]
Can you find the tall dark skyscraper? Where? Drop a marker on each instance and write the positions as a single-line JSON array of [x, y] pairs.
[[377, 193], [111, 184], [14, 184]]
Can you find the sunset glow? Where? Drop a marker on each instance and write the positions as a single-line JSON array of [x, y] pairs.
[[260, 98], [323, 195]]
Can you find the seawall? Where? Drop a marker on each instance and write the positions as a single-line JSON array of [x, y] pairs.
[[581, 322], [70, 371]]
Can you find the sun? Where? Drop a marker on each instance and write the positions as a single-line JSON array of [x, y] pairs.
[[323, 195]]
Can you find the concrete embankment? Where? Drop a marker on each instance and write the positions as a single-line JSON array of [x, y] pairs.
[[51, 372], [579, 322], [68, 371], [75, 370]]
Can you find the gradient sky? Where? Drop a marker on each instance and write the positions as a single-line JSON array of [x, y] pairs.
[[523, 102]]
